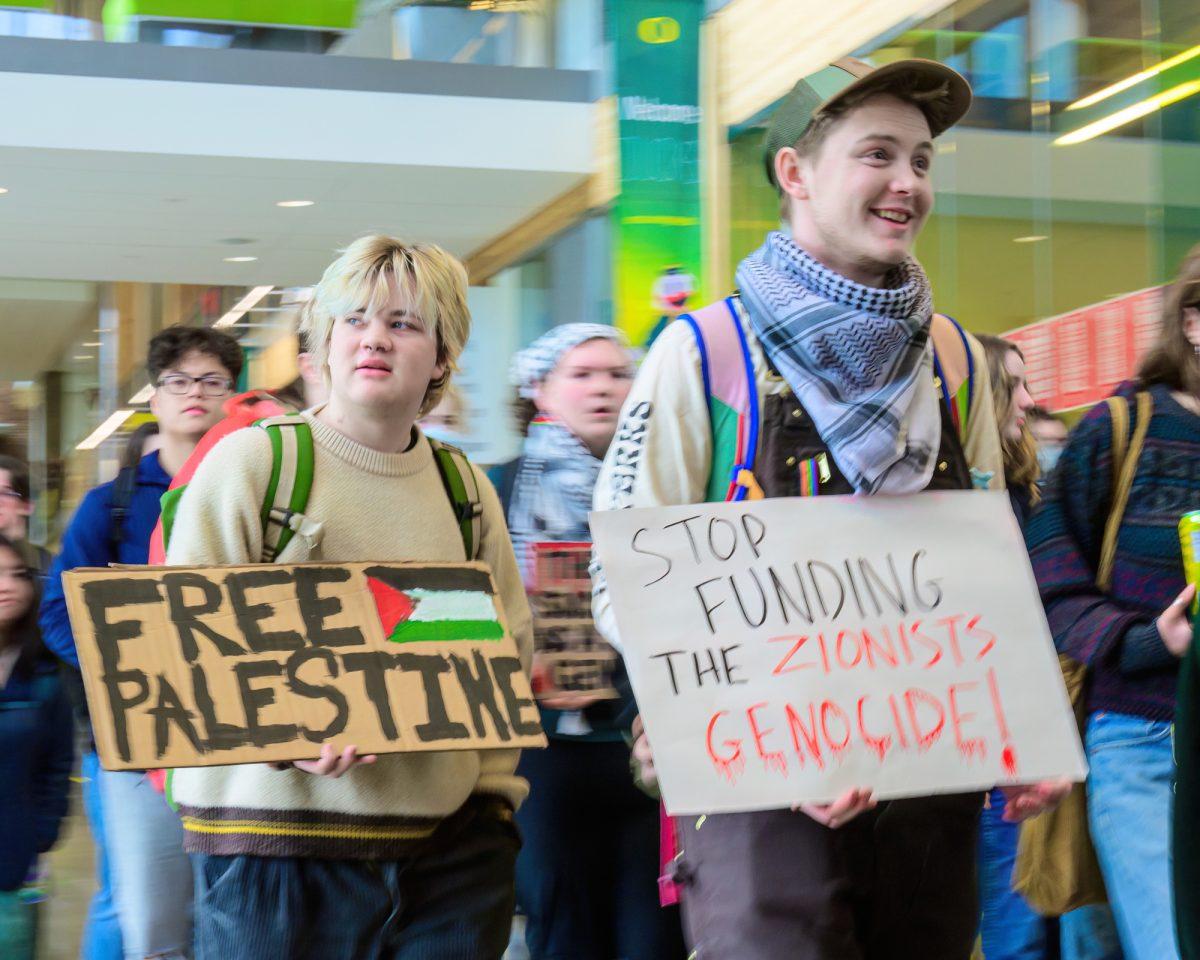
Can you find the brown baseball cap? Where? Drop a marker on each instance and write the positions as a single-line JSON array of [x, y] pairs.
[[943, 96]]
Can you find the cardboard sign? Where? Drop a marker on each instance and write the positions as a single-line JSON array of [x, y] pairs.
[[220, 665], [784, 651], [578, 659]]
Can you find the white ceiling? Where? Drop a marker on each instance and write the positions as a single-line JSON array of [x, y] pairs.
[[146, 178], [93, 215]]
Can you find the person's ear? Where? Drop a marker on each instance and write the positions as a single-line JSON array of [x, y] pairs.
[[792, 173], [308, 369], [543, 400]]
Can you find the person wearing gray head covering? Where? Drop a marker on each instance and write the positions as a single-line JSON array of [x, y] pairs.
[[587, 875], [533, 364]]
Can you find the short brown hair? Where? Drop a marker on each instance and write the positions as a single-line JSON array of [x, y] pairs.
[[172, 344], [1172, 360]]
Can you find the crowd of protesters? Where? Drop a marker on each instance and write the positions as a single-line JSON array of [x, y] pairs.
[[430, 856]]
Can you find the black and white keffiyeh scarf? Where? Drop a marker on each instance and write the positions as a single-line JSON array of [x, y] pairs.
[[858, 358], [552, 492]]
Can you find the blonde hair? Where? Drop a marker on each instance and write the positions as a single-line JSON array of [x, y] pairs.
[[1020, 456], [435, 281]]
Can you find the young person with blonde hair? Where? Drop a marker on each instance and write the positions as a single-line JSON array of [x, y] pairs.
[[403, 856]]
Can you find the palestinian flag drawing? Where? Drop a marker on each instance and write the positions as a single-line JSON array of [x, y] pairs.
[[424, 605]]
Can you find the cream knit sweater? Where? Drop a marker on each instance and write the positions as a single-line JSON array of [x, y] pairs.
[[366, 506]]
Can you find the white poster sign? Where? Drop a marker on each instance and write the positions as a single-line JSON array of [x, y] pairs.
[[786, 650]]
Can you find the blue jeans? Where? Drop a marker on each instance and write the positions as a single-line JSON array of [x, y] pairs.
[[1090, 933], [450, 899], [151, 875], [1129, 813], [102, 934], [1010, 929]]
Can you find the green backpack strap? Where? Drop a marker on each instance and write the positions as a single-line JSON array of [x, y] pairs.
[[462, 487], [291, 481]]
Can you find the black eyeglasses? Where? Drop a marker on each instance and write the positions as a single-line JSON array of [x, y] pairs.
[[180, 384]]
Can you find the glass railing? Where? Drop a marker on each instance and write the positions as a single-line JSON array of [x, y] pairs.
[[507, 33]]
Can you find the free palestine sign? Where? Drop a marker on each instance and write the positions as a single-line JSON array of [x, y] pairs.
[[786, 650], [220, 665]]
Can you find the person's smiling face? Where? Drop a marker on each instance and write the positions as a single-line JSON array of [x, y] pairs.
[[862, 197]]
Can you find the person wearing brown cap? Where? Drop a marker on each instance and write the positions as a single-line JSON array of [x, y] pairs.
[[854, 376]]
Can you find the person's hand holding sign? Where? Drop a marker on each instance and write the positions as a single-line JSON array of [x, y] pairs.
[[1029, 799], [330, 763], [844, 809], [642, 753]]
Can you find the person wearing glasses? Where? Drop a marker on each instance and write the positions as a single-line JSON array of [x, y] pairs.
[[16, 507], [143, 905]]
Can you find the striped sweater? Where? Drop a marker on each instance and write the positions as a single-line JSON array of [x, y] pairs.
[[1115, 633], [365, 505]]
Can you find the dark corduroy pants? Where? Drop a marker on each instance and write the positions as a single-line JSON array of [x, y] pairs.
[[587, 877], [451, 900], [897, 883]]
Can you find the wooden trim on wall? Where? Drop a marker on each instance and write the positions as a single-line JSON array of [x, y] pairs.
[[767, 45], [717, 278]]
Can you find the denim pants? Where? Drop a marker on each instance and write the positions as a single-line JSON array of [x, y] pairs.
[[450, 899], [102, 933], [151, 876], [1129, 813], [1010, 929]]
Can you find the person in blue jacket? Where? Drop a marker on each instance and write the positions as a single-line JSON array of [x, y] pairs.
[[143, 904], [36, 750]]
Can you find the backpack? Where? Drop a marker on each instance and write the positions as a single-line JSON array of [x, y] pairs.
[[126, 483], [291, 482], [727, 368]]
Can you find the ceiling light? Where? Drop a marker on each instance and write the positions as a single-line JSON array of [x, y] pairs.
[[1030, 239], [1134, 80], [105, 430], [85, 356], [1129, 114], [92, 343], [295, 203], [239, 309], [3, 189], [143, 395], [240, 259]]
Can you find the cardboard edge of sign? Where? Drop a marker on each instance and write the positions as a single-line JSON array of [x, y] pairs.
[[305, 750]]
